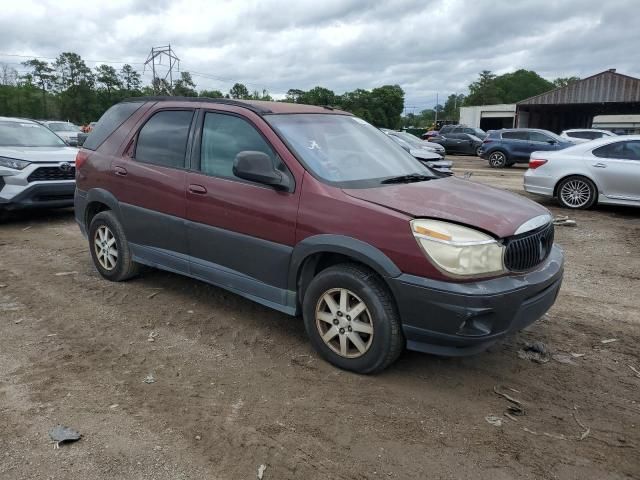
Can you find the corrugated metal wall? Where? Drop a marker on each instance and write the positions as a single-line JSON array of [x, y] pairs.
[[604, 87]]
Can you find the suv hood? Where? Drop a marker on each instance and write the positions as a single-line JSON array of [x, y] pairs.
[[460, 201], [40, 154]]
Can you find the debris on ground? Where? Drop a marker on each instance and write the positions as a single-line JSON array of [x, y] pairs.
[[149, 379], [493, 420], [564, 221], [635, 370], [115, 405], [2, 285], [26, 228], [467, 175], [64, 274], [562, 358], [153, 294], [577, 355], [586, 430], [516, 409], [152, 336], [535, 351], [198, 437], [61, 434], [550, 435], [261, 470], [608, 340]]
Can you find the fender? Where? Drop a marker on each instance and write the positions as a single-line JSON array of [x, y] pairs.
[[104, 196], [357, 249]]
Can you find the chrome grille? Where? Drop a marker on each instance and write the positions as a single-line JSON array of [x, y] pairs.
[[527, 251]]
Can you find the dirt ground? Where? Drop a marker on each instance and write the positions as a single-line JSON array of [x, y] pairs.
[[238, 386]]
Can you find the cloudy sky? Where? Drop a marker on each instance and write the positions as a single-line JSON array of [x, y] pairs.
[[427, 47]]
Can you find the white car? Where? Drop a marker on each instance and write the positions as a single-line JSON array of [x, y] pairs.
[[65, 130], [37, 168], [581, 135], [603, 171]]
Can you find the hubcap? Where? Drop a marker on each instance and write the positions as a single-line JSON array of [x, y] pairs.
[[105, 247], [344, 323], [575, 193], [496, 159]]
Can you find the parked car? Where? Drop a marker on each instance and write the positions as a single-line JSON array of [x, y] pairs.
[[427, 156], [416, 142], [427, 135], [314, 212], [503, 148], [460, 143], [581, 135], [65, 130], [603, 171], [449, 129], [36, 166]]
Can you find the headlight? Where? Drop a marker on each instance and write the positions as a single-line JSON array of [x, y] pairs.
[[13, 163], [458, 251]]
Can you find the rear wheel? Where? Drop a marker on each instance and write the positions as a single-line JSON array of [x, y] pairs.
[[478, 151], [577, 192], [351, 319], [497, 159], [109, 248]]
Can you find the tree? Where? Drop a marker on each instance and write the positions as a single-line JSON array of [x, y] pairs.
[[508, 88], [451, 110], [483, 91], [43, 76], [107, 76], [318, 96], [211, 94], [185, 87], [72, 71], [564, 81], [239, 91], [129, 78], [8, 75], [293, 95]]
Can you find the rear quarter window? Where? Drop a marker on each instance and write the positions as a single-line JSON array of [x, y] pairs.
[[109, 122]]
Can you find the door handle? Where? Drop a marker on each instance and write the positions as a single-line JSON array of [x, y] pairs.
[[599, 165], [197, 189], [121, 171]]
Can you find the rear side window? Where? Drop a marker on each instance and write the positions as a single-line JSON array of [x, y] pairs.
[[585, 135], [515, 135], [109, 122], [629, 150], [163, 139], [223, 137]]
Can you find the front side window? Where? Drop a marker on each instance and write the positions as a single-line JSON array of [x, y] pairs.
[[539, 137], [163, 139], [223, 138], [345, 150], [28, 134], [629, 150]]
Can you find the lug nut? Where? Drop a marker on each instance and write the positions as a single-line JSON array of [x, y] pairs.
[[349, 328], [348, 318], [341, 331], [339, 314], [335, 321]]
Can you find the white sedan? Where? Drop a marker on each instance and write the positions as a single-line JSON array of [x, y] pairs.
[[603, 171]]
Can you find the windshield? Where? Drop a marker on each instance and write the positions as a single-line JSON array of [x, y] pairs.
[[63, 127], [478, 132], [27, 134], [345, 150]]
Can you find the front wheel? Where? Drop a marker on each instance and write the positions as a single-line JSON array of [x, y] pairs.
[[497, 160], [351, 319], [478, 150], [577, 193]]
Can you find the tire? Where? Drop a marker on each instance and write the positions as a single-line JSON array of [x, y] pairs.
[[478, 151], [577, 192], [104, 228], [377, 349], [498, 159]]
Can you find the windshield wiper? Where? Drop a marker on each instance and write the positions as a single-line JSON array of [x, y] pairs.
[[413, 177]]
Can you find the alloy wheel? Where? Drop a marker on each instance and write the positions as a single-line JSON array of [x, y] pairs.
[[105, 247], [497, 160], [344, 323], [575, 193]]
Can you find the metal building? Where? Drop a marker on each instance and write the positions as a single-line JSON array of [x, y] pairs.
[[574, 106], [489, 117]]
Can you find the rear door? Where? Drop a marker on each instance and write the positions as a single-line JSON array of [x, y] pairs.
[[616, 169], [150, 187], [517, 144], [241, 234], [455, 143]]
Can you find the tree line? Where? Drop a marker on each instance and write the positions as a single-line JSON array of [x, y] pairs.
[[488, 89], [67, 89]]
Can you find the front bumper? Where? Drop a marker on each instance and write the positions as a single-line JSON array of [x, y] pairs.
[[455, 319], [41, 195]]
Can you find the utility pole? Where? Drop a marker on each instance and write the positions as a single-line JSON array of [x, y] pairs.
[[436, 109], [155, 58]]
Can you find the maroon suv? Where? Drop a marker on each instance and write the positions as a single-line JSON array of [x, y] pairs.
[[312, 211]]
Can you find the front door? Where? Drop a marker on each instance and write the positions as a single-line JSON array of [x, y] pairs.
[[241, 234], [150, 186], [616, 168]]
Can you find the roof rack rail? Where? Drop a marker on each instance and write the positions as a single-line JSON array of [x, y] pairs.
[[224, 101]]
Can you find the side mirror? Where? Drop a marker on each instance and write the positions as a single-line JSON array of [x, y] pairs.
[[258, 167]]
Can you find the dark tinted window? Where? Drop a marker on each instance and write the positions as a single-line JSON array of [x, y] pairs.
[[223, 137], [112, 119], [457, 136], [629, 150], [515, 135], [538, 137], [163, 139], [585, 135]]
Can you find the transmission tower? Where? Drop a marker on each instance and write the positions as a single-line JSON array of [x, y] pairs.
[[155, 59]]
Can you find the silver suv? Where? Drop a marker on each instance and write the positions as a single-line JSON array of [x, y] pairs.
[[37, 168]]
